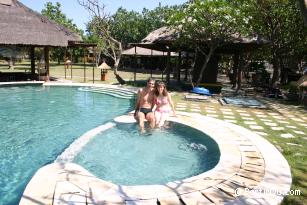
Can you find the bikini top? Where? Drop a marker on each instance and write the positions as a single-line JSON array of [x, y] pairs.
[[161, 101]]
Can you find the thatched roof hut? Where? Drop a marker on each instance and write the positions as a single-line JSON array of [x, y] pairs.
[[162, 35], [22, 26], [160, 39], [164, 38], [104, 66], [139, 51]]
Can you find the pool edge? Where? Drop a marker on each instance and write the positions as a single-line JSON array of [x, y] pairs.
[[192, 188]]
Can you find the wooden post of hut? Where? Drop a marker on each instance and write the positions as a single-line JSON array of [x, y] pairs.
[[151, 60], [71, 63], [239, 73], [46, 55], [65, 58], [163, 64], [32, 54], [94, 61], [84, 66], [186, 66], [168, 69], [134, 73], [179, 67]]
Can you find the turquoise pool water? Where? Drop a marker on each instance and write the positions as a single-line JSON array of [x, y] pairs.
[[123, 156], [38, 123]]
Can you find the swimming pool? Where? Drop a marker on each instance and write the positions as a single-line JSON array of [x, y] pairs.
[[123, 156], [39, 122]]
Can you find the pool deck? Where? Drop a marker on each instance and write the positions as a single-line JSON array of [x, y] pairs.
[[250, 171]]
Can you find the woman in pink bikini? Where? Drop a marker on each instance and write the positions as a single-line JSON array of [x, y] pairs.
[[163, 103]]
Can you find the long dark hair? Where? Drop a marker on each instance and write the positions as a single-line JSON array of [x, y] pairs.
[[160, 83]]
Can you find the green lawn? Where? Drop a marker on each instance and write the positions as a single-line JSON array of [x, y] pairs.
[[79, 73]]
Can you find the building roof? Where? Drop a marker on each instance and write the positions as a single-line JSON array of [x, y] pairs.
[[164, 38], [20, 25], [139, 51], [163, 34]]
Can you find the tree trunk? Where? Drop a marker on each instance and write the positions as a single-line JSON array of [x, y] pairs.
[[235, 70], [303, 8], [239, 73], [59, 60], [117, 76], [211, 51], [283, 72], [276, 68], [117, 57]]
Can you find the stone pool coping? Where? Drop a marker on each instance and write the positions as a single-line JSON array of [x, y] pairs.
[[51, 83], [247, 161], [20, 83]]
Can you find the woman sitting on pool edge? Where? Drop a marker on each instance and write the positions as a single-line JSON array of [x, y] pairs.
[[163, 103]]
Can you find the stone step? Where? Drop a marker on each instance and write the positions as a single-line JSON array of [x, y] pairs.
[[110, 91]]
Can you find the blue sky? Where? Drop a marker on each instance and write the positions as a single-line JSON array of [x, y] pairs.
[[80, 16]]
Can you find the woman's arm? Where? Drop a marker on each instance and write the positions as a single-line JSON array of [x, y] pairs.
[[154, 104]]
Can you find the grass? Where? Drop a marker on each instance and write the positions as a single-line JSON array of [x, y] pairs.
[[295, 155], [79, 76]]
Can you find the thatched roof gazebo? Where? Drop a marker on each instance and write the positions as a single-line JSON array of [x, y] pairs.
[[150, 58], [161, 39], [139, 51], [164, 39], [23, 27]]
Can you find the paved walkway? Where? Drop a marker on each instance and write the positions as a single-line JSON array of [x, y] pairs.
[[288, 119]]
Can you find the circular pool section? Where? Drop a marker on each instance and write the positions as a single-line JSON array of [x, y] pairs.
[[123, 156], [39, 122]]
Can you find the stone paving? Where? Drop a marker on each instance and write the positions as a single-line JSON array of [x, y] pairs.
[[247, 161], [275, 121]]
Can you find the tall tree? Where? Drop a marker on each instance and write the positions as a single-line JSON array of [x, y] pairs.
[[280, 22], [157, 18], [54, 13], [127, 26], [205, 25], [131, 26], [100, 27]]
